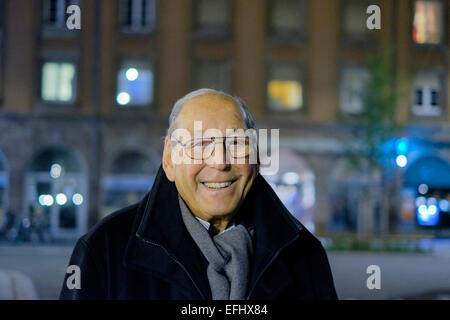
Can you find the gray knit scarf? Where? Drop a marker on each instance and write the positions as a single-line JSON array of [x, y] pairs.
[[227, 253]]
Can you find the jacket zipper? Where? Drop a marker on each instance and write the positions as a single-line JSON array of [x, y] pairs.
[[269, 263], [176, 261]]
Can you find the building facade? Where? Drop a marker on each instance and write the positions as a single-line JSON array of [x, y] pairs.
[[83, 111]]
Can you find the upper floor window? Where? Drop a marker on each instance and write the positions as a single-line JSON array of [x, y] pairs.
[[353, 89], [284, 88], [354, 20], [215, 74], [58, 82], [427, 94], [54, 13], [286, 18], [212, 17], [428, 24], [137, 15], [135, 83]]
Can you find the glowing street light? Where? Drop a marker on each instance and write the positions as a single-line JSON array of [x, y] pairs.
[[61, 199], [77, 199], [123, 98], [132, 74], [401, 161]]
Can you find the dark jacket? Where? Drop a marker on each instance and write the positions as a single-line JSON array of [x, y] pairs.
[[145, 252]]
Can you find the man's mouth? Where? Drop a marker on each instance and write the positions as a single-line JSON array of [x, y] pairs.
[[218, 185]]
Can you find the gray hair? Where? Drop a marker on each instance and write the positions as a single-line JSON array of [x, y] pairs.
[[248, 119]]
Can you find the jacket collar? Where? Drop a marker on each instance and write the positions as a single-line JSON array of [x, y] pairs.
[[159, 231]]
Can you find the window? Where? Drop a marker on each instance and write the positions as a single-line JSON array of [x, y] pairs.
[[284, 88], [286, 17], [135, 84], [428, 25], [427, 97], [137, 15], [354, 20], [215, 74], [354, 82], [212, 17], [54, 15], [58, 82]]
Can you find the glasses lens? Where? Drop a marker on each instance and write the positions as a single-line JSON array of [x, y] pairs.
[[238, 147], [196, 148]]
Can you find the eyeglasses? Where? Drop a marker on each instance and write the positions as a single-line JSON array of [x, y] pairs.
[[201, 149]]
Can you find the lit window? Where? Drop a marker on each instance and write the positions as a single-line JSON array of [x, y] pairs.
[[354, 19], [138, 15], [54, 13], [427, 87], [212, 17], [135, 84], [284, 89], [353, 88], [286, 16], [58, 81], [428, 22], [212, 74]]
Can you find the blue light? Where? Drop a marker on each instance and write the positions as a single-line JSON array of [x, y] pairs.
[[401, 145], [427, 216], [423, 210], [444, 205], [401, 161]]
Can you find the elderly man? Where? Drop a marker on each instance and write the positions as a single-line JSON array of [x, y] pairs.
[[210, 228]]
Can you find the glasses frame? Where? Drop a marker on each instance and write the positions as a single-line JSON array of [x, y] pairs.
[[214, 141]]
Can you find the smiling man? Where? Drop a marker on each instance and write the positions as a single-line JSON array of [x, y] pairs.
[[210, 228]]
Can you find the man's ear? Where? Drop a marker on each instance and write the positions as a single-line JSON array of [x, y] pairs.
[[167, 160]]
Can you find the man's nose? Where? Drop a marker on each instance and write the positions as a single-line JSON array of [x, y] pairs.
[[219, 156]]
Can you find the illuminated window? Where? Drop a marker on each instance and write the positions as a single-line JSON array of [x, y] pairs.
[[353, 88], [427, 89], [286, 16], [54, 13], [212, 17], [428, 26], [137, 15], [135, 84], [284, 89], [58, 82], [215, 74], [354, 19]]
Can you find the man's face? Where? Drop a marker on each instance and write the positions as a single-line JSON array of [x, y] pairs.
[[194, 181]]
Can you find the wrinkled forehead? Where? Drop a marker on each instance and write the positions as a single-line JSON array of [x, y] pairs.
[[211, 114]]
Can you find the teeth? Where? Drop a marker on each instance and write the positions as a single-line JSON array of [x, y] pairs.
[[217, 185]]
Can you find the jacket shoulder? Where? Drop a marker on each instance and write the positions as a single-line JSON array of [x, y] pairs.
[[118, 224]]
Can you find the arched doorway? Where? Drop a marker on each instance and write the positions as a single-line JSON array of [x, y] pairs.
[[3, 188], [425, 195], [129, 178], [56, 191], [295, 186]]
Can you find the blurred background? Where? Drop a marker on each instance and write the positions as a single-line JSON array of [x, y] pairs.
[[363, 117]]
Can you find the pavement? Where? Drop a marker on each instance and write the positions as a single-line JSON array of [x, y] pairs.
[[402, 275]]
